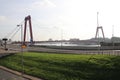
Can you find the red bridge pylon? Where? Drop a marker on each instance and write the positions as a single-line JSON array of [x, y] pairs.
[[97, 32], [28, 18]]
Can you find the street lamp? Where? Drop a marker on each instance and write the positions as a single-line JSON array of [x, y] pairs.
[[5, 42], [61, 38], [22, 60]]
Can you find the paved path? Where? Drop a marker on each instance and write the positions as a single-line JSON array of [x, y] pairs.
[[8, 74], [4, 75]]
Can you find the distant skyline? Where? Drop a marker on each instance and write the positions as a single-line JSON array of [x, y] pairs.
[[58, 19]]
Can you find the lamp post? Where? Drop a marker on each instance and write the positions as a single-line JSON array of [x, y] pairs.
[[98, 34], [61, 38], [22, 60], [113, 38]]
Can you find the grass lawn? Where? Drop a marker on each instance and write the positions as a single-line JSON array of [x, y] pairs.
[[66, 66]]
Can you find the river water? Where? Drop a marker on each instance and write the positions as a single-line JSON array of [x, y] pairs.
[[64, 44]]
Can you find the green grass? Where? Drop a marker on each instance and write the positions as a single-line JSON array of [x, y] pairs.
[[66, 66]]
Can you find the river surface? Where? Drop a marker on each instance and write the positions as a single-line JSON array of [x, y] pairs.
[[64, 44], [4, 75]]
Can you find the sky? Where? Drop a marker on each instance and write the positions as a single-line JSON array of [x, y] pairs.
[[61, 19]]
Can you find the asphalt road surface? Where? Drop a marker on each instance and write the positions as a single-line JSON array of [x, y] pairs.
[[4, 75]]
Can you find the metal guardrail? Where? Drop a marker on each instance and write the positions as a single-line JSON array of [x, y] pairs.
[[49, 50]]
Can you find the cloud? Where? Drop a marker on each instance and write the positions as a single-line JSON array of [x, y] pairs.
[[6, 21], [3, 18], [42, 4]]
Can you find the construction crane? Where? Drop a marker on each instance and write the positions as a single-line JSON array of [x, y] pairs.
[[97, 31], [99, 28]]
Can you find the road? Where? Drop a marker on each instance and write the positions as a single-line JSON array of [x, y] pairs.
[[51, 50], [5, 75]]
